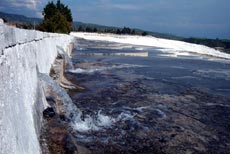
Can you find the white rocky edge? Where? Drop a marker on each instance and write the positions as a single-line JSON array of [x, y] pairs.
[[164, 45], [23, 55]]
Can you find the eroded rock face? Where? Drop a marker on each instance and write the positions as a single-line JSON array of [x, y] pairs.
[[57, 73]]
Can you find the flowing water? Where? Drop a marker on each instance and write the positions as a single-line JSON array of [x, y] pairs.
[[139, 99]]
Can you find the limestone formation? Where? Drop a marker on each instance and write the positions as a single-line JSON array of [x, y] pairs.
[[23, 55]]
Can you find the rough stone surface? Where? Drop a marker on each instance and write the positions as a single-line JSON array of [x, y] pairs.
[[23, 55]]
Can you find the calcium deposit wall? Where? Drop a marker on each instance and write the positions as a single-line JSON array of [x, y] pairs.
[[24, 54]]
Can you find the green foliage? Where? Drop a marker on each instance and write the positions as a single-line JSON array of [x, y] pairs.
[[144, 34], [81, 29], [57, 18], [95, 28], [57, 23], [49, 11], [126, 30], [118, 31], [88, 29], [133, 32], [64, 10]]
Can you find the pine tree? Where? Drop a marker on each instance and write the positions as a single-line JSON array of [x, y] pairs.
[[57, 18]]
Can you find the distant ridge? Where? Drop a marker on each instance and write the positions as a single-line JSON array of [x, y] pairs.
[[76, 24], [19, 18]]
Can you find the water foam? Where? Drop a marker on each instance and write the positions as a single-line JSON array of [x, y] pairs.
[[87, 71], [74, 114], [102, 68], [93, 123]]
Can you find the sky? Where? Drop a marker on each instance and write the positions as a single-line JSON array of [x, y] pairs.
[[189, 18]]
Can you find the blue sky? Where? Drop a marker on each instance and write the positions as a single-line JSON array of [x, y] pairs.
[[200, 18]]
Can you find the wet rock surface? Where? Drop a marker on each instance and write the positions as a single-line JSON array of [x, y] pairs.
[[176, 124], [48, 112], [56, 136], [152, 115]]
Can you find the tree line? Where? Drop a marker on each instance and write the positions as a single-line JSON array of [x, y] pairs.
[[125, 30]]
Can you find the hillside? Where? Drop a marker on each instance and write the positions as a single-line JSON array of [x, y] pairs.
[[19, 18]]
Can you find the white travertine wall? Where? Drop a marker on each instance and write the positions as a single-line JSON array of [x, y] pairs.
[[24, 54], [172, 47]]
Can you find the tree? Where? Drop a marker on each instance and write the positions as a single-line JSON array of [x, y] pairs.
[[49, 11], [118, 31], [81, 29], [126, 30], [88, 29], [133, 32], [95, 30], [64, 10], [57, 18], [144, 34]]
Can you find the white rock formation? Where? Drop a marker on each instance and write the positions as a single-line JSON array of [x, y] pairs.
[[164, 45], [23, 54]]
